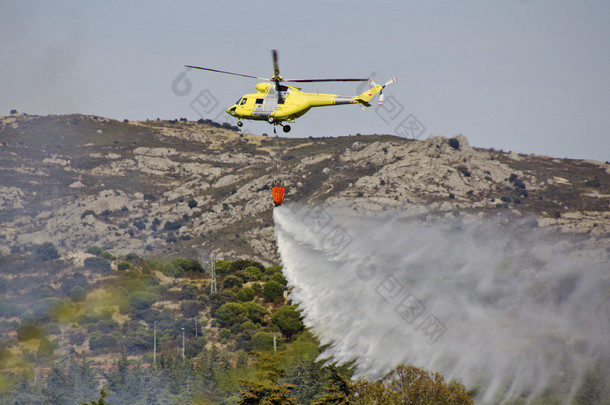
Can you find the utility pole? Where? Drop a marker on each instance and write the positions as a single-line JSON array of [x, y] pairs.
[[212, 263], [274, 344], [213, 287], [155, 344], [183, 353]]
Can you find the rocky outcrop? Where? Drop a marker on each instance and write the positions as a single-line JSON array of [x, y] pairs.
[[159, 187]]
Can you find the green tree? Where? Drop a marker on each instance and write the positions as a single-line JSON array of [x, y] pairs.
[[266, 389], [339, 390], [411, 386], [223, 267], [272, 290], [288, 319], [245, 294], [256, 312], [231, 313], [100, 401]]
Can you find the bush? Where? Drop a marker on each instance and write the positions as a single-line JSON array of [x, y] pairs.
[[98, 264], [245, 294], [78, 294], [288, 319], [242, 264], [27, 331], [95, 250], [224, 333], [76, 279], [223, 267], [47, 309], [191, 308], [279, 277], [107, 256], [141, 300], [188, 265], [99, 342], [255, 272], [192, 203], [231, 313], [272, 289], [45, 252], [263, 341], [273, 269], [256, 312], [232, 281], [188, 292], [258, 288], [122, 266], [220, 298], [172, 225]]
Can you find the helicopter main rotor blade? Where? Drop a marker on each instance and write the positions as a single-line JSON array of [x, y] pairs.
[[324, 80], [225, 72], [276, 67]]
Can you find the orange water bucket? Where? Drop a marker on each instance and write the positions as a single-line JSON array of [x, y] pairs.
[[277, 192]]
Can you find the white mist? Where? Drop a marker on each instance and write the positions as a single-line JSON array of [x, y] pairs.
[[493, 304]]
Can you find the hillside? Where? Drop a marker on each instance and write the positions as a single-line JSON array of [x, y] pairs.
[[168, 188], [104, 225]]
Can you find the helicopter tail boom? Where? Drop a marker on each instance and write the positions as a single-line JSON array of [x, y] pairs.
[[368, 95]]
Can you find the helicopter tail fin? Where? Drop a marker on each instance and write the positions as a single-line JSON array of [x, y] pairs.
[[368, 95]]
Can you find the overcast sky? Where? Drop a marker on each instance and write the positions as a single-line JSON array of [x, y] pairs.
[[531, 76]]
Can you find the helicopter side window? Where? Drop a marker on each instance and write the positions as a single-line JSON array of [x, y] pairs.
[[243, 101], [259, 101]]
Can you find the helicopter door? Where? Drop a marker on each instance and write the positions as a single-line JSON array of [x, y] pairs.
[[266, 106]]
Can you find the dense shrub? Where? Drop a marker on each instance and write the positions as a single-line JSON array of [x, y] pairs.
[[263, 341], [272, 290], [102, 343], [95, 250], [223, 267], [242, 264], [97, 264], [141, 300], [44, 252], [188, 265], [47, 309], [279, 277], [232, 281], [75, 279], [78, 294], [124, 265], [288, 319], [256, 312], [231, 313], [191, 308], [245, 294], [255, 272], [172, 225]]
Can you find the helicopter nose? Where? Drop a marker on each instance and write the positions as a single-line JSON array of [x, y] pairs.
[[231, 111]]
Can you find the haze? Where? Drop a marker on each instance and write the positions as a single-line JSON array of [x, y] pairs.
[[527, 76]]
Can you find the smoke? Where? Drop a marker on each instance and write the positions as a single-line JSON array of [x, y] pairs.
[[496, 304]]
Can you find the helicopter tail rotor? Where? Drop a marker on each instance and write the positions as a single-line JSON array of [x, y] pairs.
[[372, 82]]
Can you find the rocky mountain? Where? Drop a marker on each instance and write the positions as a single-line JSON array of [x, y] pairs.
[[175, 187]]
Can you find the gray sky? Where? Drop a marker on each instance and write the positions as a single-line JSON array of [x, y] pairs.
[[531, 76]]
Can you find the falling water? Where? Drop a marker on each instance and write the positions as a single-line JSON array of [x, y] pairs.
[[493, 303]]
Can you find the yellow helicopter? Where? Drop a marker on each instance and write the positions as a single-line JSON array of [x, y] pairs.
[[275, 102]]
